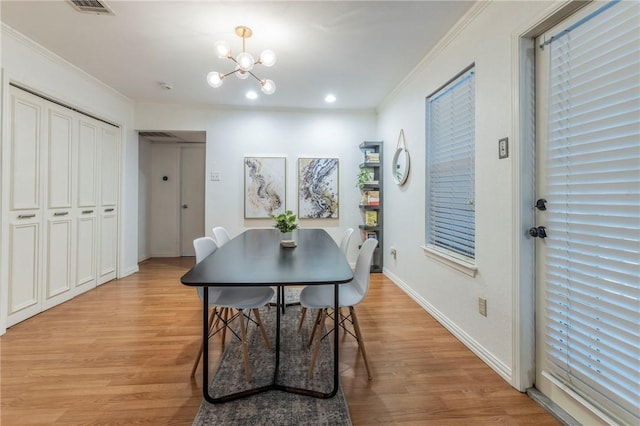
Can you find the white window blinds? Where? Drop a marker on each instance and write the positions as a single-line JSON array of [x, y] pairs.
[[451, 166], [593, 193]]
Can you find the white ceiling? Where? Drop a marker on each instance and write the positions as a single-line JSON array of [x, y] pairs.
[[357, 50]]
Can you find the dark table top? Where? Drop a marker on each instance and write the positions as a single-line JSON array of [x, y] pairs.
[[256, 258]]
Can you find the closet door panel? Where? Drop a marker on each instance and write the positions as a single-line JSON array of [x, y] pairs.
[[60, 150], [108, 240], [59, 260], [26, 145], [109, 167], [87, 164], [86, 251], [24, 268]]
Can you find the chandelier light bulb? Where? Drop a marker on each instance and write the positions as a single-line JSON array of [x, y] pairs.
[[268, 58], [222, 49], [214, 79], [268, 87], [245, 61], [242, 75]]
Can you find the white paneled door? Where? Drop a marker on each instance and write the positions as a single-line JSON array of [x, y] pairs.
[[192, 196], [63, 187]]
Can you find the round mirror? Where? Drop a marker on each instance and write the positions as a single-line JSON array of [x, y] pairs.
[[400, 166]]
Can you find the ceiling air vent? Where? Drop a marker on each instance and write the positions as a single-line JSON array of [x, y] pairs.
[[155, 134], [91, 6]]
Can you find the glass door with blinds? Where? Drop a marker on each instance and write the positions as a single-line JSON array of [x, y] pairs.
[[588, 213]]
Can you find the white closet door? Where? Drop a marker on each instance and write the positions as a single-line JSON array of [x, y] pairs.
[[25, 207], [109, 146], [59, 267], [86, 205]]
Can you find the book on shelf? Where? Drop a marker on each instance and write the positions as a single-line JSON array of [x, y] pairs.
[[372, 157], [370, 234], [371, 218], [373, 198]]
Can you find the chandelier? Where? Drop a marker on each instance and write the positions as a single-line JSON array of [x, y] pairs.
[[244, 63]]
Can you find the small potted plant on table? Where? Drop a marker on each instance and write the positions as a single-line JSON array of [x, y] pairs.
[[286, 224]]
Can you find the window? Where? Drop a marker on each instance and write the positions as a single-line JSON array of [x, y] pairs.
[[450, 221], [592, 185]]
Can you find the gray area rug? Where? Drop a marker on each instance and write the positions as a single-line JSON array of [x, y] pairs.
[[275, 407]]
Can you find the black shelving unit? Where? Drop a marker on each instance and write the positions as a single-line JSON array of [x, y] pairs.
[[372, 201]]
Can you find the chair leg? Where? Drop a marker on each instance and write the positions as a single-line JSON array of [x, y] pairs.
[[315, 326], [316, 349], [197, 361], [356, 327], [262, 330], [225, 318], [303, 312], [245, 349]]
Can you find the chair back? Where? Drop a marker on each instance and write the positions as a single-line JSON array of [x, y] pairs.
[[346, 237], [221, 236], [204, 246], [363, 266]]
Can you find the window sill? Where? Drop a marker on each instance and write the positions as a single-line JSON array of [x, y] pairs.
[[447, 258]]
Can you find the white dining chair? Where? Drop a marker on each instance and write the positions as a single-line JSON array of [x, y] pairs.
[[344, 245], [350, 294], [238, 298], [220, 235], [344, 241]]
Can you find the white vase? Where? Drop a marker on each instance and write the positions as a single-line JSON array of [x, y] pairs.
[[286, 239]]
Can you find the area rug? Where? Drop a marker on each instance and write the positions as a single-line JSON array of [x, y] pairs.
[[275, 407]]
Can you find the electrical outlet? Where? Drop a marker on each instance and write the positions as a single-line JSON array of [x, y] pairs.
[[393, 252], [482, 306], [215, 176], [503, 148]]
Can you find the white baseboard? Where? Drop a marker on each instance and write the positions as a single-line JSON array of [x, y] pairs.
[[494, 363]]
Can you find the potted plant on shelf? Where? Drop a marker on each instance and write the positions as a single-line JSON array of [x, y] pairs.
[[286, 224], [365, 176]]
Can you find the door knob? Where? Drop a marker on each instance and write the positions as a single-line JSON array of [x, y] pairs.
[[541, 204], [539, 232], [184, 206]]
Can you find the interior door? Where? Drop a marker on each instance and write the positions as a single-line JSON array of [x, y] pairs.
[[192, 187], [586, 226]]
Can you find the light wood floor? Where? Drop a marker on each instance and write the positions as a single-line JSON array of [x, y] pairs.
[[121, 355]]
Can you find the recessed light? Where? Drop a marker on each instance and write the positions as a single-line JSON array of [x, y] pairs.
[[330, 98], [251, 95]]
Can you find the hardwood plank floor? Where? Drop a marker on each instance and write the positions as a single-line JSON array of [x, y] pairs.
[[121, 355]]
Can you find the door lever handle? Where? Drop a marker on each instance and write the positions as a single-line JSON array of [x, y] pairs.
[[541, 204], [184, 206]]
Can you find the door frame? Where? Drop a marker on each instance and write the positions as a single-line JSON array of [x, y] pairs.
[[523, 189]]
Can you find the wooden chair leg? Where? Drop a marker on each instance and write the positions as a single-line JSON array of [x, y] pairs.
[[245, 346], [225, 318], [262, 330], [303, 312], [315, 327], [316, 349], [197, 361], [356, 327]]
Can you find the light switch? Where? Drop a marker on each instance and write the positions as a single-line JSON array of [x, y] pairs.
[[503, 148], [215, 176]]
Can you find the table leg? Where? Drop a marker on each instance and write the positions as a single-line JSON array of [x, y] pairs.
[[274, 384]]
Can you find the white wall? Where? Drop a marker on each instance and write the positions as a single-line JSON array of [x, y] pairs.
[[234, 134], [28, 64], [144, 198], [483, 37]]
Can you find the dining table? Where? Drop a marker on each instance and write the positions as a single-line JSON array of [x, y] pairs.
[[256, 258]]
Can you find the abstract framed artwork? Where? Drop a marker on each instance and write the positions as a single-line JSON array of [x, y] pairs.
[[318, 188], [264, 186]]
